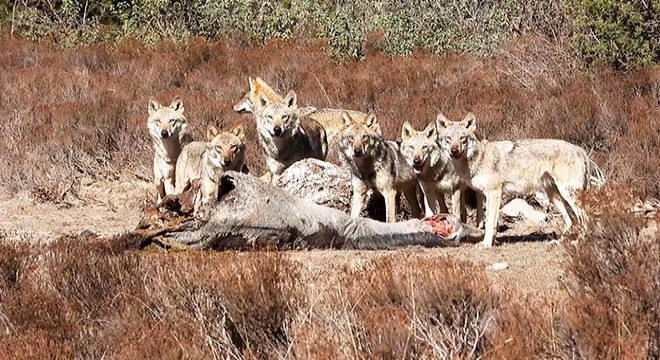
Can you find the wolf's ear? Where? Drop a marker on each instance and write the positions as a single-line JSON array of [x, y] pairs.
[[153, 105], [406, 131], [263, 100], [253, 84], [431, 131], [346, 120], [372, 123], [470, 122], [177, 104], [239, 132], [211, 132], [441, 121], [291, 99]]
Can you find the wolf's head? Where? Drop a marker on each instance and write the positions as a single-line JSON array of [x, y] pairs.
[[358, 137], [420, 148], [279, 119], [225, 150], [253, 101], [457, 138], [166, 121]]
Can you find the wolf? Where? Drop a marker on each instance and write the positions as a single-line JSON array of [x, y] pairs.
[[434, 168], [375, 164], [285, 137], [260, 95], [223, 151], [168, 128], [521, 167]]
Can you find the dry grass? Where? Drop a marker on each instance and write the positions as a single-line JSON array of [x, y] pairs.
[[76, 298], [73, 114]]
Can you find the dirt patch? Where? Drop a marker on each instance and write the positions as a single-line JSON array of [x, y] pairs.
[[104, 208], [111, 207]]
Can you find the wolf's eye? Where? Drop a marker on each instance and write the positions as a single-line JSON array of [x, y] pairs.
[[270, 117], [173, 121], [218, 149], [424, 148], [349, 137], [365, 137], [463, 138], [234, 148], [285, 118], [158, 121], [447, 138]]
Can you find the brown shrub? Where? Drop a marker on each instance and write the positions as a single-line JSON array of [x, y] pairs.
[[69, 114], [615, 274], [410, 307]]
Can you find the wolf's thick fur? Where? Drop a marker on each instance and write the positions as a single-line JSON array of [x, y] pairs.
[[168, 128], [222, 151], [375, 164], [257, 97], [434, 168], [520, 167], [260, 95], [286, 138]]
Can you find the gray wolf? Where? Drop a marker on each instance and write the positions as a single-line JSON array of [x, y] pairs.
[[521, 167], [260, 95], [168, 129], [285, 137], [375, 164], [223, 151], [434, 169]]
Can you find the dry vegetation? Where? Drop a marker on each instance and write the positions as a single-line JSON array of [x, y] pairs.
[[70, 115], [80, 299]]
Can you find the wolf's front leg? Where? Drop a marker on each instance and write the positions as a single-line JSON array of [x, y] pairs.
[[480, 209], [359, 197], [411, 195], [169, 185], [160, 190], [390, 205], [493, 199], [458, 204], [434, 199]]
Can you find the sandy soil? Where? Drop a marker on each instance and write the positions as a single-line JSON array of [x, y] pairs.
[[110, 207]]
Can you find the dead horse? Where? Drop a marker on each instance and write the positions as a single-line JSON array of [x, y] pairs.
[[250, 213]]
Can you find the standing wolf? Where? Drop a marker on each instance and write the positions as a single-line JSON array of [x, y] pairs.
[[375, 164], [520, 167], [168, 129], [434, 169], [223, 150], [285, 138], [260, 95]]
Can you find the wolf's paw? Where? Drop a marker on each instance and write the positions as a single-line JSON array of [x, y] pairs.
[[485, 244]]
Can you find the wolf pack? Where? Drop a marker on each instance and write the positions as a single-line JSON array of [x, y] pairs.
[[444, 160]]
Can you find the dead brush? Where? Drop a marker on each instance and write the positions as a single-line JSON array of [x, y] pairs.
[[614, 276], [244, 308]]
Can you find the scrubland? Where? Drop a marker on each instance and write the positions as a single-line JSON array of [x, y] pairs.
[[76, 115]]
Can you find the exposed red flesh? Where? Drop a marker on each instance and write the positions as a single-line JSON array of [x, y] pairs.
[[440, 225]]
